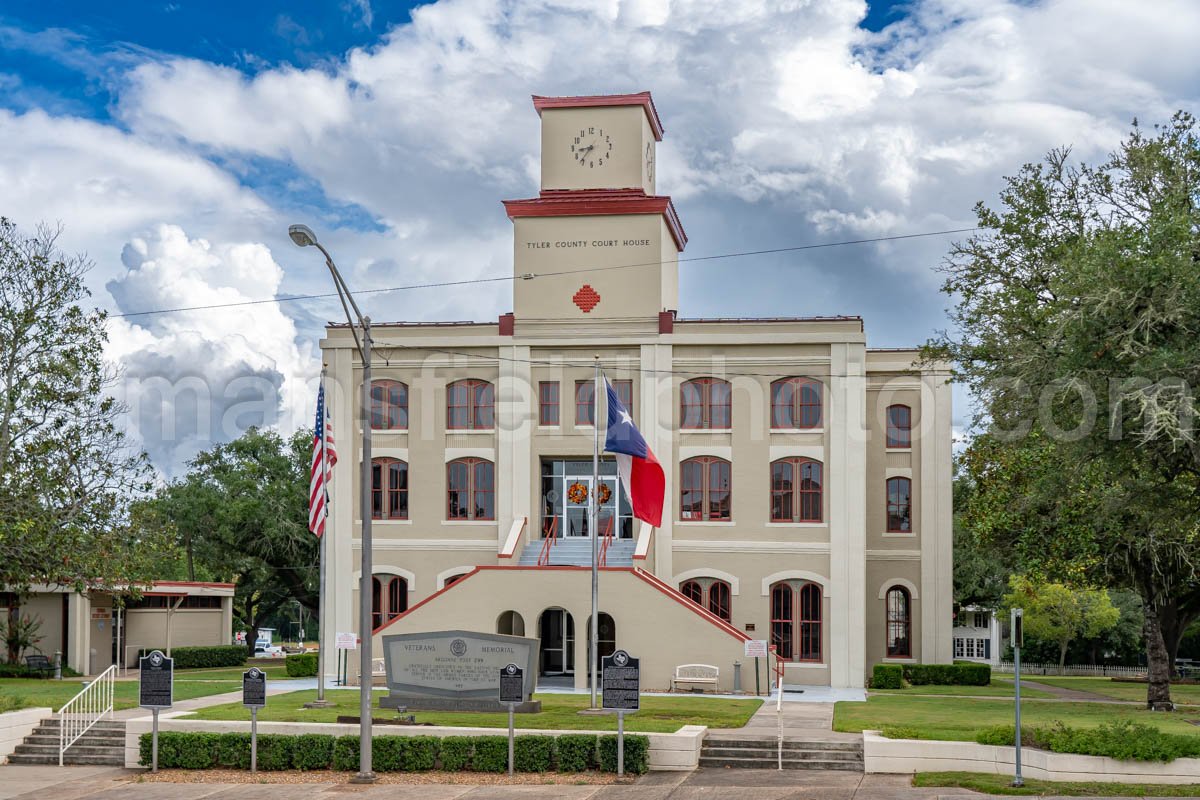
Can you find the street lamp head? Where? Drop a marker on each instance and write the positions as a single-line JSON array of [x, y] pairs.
[[302, 235]]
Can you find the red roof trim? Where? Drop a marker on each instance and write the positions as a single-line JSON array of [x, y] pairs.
[[650, 579], [601, 202], [642, 99], [196, 583]]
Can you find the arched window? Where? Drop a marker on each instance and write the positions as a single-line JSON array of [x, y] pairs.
[[796, 490], [899, 505], [899, 622], [705, 492], [792, 606], [470, 405], [705, 403], [389, 489], [389, 405], [899, 426], [718, 599], [692, 591], [796, 403], [389, 599], [470, 492]]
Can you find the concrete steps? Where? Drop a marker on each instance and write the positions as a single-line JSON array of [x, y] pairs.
[[797, 754], [102, 745], [577, 552]]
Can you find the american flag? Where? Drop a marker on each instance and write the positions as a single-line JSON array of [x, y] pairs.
[[318, 497]]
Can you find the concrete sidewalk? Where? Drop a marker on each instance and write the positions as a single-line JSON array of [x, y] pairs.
[[100, 783], [811, 722]]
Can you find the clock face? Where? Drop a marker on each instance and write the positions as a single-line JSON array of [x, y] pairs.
[[592, 148], [649, 162]]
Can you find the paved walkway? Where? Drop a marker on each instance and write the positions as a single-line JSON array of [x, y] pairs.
[[101, 783], [809, 721], [1074, 695]]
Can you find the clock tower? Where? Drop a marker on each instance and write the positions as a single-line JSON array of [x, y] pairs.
[[603, 245]]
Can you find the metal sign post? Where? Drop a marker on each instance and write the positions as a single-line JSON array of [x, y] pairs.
[[254, 697], [756, 649], [621, 691], [1018, 635], [512, 691], [156, 691]]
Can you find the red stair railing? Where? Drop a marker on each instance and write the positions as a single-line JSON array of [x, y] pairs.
[[550, 534], [605, 541]]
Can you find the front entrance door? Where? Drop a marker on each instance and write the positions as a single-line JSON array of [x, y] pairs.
[[578, 515], [565, 483], [557, 632]]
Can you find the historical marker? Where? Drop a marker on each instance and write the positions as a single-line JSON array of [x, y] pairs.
[[620, 682], [254, 688], [155, 681], [512, 684]]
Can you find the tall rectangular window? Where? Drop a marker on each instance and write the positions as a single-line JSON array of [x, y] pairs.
[[548, 403], [585, 399]]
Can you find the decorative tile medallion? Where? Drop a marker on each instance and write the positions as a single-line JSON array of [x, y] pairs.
[[586, 298]]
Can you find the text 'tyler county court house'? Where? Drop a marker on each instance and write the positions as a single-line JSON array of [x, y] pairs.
[[808, 476]]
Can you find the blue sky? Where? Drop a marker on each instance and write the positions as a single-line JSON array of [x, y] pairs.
[[175, 141]]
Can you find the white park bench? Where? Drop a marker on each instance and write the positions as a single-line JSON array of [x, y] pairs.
[[696, 673]]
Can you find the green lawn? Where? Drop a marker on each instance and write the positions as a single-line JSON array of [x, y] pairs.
[[999, 784], [953, 719], [38, 692], [559, 711], [998, 688], [1120, 690]]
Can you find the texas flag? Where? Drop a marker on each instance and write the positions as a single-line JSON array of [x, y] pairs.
[[641, 474]]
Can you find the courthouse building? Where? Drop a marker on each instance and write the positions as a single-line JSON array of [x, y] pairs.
[[808, 498]]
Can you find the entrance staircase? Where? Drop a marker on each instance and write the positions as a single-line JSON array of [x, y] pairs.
[[576, 551], [102, 745], [721, 752]]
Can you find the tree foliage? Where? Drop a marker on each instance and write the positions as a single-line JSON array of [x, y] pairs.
[[67, 472], [241, 515], [1077, 313], [1060, 613]]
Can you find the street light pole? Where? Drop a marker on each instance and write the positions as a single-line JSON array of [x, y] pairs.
[[303, 236]]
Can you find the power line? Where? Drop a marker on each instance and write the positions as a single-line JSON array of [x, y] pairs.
[[534, 275]]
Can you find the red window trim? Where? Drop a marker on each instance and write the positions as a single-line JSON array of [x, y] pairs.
[[585, 410], [546, 403], [899, 437], [887, 510], [724, 611], [795, 463], [887, 622], [473, 408], [688, 588], [704, 420], [799, 624], [384, 404], [706, 463], [472, 489], [380, 590], [383, 491], [797, 405]]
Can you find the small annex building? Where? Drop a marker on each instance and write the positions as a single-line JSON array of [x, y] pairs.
[[93, 632], [808, 498]]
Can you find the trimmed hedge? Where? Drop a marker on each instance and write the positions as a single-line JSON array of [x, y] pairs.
[[887, 676], [316, 751], [893, 676], [301, 665], [221, 655], [1123, 740], [637, 754], [948, 674]]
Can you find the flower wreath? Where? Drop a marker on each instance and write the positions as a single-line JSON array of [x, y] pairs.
[[577, 493], [605, 493]]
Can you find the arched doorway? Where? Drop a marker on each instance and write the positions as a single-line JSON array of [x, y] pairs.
[[606, 639], [510, 623], [556, 629]]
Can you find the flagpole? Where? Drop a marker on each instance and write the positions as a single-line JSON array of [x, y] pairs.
[[320, 701], [595, 531]]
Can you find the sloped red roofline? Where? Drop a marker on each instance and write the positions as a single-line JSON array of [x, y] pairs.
[[641, 574], [642, 99]]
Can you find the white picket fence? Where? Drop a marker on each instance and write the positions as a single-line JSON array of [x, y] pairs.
[[1099, 670]]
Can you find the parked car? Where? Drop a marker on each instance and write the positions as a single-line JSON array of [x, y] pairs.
[[267, 650]]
